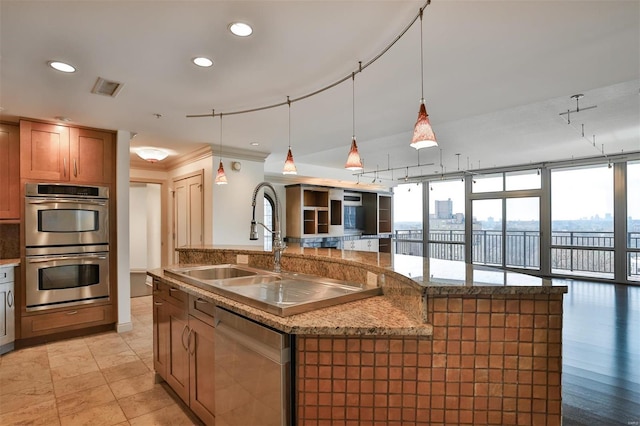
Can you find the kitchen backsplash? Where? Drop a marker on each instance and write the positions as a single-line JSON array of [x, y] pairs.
[[9, 241]]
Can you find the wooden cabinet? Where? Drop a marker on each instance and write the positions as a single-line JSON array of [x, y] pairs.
[[183, 347], [91, 154], [309, 212], [42, 324], [65, 154], [9, 172], [201, 346]]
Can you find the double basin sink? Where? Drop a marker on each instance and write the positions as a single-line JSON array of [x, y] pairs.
[[280, 293]]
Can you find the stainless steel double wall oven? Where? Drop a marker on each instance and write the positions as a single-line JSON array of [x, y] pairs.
[[67, 244]]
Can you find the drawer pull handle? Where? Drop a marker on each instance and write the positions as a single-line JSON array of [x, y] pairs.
[[72, 313], [157, 303], [199, 300], [171, 289], [10, 298]]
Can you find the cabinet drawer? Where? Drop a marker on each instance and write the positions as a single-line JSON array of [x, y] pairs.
[[72, 319], [6, 274], [169, 293], [202, 309]]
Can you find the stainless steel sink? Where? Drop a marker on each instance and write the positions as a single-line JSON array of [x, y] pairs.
[[217, 272], [282, 294]]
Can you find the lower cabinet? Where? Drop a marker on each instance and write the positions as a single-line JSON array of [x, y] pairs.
[[183, 348]]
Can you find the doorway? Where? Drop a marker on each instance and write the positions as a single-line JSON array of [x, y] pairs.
[[145, 234]]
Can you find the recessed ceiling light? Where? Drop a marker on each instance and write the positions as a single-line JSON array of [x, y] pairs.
[[254, 143], [240, 29], [62, 66], [201, 61]]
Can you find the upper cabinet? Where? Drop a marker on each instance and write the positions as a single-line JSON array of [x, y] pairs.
[[65, 154], [9, 172]]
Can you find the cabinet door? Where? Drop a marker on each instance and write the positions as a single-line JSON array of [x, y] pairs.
[[201, 362], [178, 362], [7, 313], [44, 151], [160, 336], [91, 156], [9, 172]]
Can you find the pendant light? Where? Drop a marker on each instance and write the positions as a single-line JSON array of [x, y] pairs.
[[289, 166], [221, 177], [423, 135], [354, 162]]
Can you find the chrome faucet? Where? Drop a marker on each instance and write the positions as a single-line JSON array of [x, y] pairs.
[[278, 244]]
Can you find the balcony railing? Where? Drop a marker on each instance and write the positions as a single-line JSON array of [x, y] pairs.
[[572, 252]]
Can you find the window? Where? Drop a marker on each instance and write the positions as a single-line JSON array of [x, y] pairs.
[[633, 221], [446, 219], [268, 221], [407, 218], [487, 183], [525, 179], [582, 221]]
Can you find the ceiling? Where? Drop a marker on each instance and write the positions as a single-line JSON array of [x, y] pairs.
[[497, 74]]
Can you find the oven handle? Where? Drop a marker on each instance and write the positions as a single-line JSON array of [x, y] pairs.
[[79, 257], [58, 200]]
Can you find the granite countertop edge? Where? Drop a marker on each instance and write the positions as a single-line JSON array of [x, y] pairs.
[[374, 316]]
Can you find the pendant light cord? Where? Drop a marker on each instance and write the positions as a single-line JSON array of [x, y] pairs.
[[421, 59], [353, 104], [289, 104], [342, 80], [220, 137]]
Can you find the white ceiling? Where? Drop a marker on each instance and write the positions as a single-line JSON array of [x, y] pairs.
[[497, 75]]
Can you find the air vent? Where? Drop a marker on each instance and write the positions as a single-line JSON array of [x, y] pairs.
[[106, 87]]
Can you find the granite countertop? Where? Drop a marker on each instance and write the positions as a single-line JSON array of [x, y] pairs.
[[435, 276], [9, 262], [368, 317]]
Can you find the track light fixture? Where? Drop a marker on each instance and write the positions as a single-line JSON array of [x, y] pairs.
[[289, 166], [221, 177], [354, 162], [423, 135]]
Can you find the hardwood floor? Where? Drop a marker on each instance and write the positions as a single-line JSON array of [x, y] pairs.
[[601, 354]]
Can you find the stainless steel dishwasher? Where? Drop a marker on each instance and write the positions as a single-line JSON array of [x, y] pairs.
[[252, 373]]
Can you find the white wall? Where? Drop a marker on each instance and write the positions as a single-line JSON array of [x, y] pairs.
[[138, 226], [121, 251], [232, 203], [144, 226], [154, 227]]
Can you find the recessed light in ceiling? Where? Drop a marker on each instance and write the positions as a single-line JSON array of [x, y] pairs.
[[201, 61], [240, 29], [62, 66], [254, 143]]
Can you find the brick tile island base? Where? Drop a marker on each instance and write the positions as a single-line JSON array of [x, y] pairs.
[[491, 360], [458, 355]]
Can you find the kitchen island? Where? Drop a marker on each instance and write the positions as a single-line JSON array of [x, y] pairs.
[[447, 342]]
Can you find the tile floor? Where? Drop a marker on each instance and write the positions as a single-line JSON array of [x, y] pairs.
[[103, 379]]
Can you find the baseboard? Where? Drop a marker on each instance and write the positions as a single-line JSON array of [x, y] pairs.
[[124, 327]]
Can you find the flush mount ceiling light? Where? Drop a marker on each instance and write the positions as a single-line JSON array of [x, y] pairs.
[[423, 135], [152, 155], [221, 177], [289, 165], [202, 61], [240, 29], [354, 162], [62, 66]]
